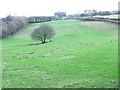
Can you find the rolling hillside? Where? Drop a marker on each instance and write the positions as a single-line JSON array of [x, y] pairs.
[[82, 54]]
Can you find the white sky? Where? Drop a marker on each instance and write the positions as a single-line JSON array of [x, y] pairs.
[[49, 7]]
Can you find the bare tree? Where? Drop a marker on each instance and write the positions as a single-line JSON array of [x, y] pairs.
[[43, 32]]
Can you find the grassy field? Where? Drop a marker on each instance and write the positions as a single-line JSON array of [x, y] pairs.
[[81, 55]]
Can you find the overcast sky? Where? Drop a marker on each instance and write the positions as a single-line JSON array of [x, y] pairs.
[[49, 7]]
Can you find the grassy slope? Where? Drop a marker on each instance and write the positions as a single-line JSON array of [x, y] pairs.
[[81, 55]]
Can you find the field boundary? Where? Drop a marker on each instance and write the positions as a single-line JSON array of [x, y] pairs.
[[111, 20]]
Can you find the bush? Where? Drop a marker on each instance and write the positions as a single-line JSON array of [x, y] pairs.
[[43, 32], [11, 25]]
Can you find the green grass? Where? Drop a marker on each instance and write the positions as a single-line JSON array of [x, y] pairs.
[[80, 55]]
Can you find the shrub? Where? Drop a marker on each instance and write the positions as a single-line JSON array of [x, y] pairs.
[[11, 25]]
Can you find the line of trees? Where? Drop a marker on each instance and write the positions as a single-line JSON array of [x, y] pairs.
[[94, 13], [37, 19], [11, 25]]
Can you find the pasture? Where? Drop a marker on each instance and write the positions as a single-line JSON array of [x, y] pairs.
[[81, 55]]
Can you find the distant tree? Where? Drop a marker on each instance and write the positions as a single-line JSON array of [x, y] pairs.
[[115, 12], [8, 19], [89, 13], [12, 27], [94, 12], [85, 11], [43, 32], [118, 12], [60, 14], [4, 30], [102, 13], [83, 15]]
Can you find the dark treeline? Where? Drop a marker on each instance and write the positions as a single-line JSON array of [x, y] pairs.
[[94, 13], [11, 24], [38, 19]]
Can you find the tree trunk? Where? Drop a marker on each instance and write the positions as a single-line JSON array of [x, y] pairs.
[[43, 41]]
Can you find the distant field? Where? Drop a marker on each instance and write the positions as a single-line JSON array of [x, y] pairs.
[[110, 16], [81, 55]]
